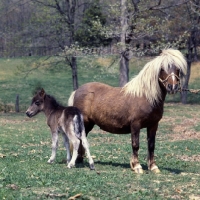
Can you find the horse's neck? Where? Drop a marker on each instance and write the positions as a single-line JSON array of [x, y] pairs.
[[163, 93], [48, 107]]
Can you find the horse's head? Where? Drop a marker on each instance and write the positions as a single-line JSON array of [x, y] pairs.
[[170, 79], [37, 104]]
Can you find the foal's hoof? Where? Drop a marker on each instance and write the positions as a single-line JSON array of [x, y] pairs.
[[50, 161], [70, 165], [92, 167], [137, 169]]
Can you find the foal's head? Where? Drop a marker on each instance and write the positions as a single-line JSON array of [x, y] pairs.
[[170, 78], [37, 104]]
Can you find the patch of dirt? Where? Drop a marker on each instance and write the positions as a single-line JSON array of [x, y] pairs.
[[184, 130], [184, 134], [7, 121], [193, 158]]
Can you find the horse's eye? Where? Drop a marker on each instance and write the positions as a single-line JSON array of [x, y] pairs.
[[37, 103]]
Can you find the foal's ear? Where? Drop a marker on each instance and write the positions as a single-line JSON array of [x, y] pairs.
[[42, 93]]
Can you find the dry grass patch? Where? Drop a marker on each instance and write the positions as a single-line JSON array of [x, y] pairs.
[[193, 158], [183, 130], [195, 71], [106, 62]]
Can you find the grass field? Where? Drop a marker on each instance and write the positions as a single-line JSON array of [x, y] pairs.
[[25, 144]]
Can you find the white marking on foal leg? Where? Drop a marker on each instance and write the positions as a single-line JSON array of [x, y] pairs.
[[67, 147], [76, 142], [86, 146], [54, 147]]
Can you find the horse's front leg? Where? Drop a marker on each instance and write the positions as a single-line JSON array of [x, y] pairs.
[[135, 165], [151, 136], [54, 146]]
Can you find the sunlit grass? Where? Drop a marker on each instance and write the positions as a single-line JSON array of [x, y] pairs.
[[25, 147]]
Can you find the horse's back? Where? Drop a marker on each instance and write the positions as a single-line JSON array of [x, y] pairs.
[[103, 105]]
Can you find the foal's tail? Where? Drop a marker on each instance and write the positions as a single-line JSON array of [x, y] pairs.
[[71, 99], [79, 128]]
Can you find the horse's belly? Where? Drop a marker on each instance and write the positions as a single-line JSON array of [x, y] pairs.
[[114, 127], [116, 130]]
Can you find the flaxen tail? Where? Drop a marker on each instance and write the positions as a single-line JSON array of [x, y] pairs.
[[71, 99]]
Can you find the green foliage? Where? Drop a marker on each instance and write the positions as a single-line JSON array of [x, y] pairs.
[[89, 34]]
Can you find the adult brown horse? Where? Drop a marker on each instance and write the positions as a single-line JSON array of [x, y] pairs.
[[139, 104]]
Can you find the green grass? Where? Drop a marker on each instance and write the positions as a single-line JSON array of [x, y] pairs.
[[25, 144], [26, 147]]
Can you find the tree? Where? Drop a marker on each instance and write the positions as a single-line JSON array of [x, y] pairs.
[[193, 11], [88, 33], [63, 29]]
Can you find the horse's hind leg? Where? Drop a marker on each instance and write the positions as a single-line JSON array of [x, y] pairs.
[[86, 146], [151, 134], [67, 146], [54, 146]]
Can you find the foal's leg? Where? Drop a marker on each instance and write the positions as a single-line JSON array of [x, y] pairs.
[[75, 142], [151, 135], [54, 146], [86, 146], [81, 151], [67, 146], [135, 165]]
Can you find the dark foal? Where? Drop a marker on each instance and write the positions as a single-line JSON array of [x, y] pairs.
[[67, 120]]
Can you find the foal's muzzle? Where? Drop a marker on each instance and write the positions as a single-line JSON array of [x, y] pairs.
[[30, 113]]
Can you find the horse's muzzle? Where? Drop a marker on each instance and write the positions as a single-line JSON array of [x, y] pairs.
[[28, 114], [172, 89]]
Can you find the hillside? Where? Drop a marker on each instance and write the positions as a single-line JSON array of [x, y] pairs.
[[57, 80]]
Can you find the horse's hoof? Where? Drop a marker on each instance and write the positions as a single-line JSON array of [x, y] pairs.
[[156, 171], [137, 169]]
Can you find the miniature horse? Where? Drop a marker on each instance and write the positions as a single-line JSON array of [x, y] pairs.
[[67, 120], [139, 104]]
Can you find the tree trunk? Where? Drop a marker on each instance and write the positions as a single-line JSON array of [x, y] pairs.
[[74, 73], [189, 58], [124, 70], [124, 62], [185, 85]]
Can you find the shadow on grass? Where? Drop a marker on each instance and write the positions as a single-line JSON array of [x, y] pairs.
[[122, 165], [173, 171]]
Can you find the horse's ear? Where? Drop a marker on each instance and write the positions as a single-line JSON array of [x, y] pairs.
[[42, 93]]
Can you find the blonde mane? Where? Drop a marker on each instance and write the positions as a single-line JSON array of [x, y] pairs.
[[146, 82]]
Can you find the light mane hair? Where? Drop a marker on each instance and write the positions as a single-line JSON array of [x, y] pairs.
[[146, 82]]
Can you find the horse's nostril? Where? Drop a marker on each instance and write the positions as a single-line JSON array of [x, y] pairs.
[[28, 114], [170, 86], [176, 87]]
